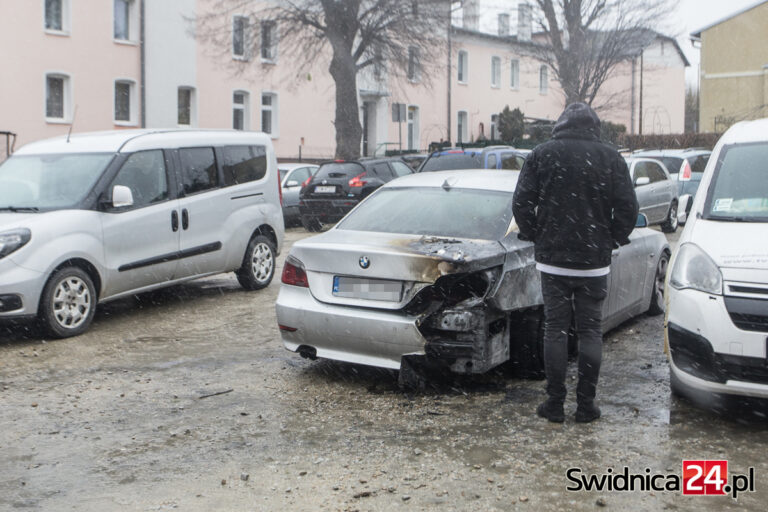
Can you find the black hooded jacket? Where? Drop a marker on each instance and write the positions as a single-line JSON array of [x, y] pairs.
[[574, 198]]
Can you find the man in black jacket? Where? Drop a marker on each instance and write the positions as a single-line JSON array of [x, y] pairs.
[[576, 202]]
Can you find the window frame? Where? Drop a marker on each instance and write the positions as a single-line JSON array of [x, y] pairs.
[[413, 124], [245, 107], [133, 110], [543, 79], [514, 74], [495, 72], [413, 71], [66, 97], [133, 23], [246, 28], [65, 29], [462, 129], [192, 109], [465, 72], [271, 57], [274, 110]]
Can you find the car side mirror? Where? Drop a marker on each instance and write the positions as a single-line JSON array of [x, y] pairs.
[[642, 220], [644, 180], [291, 183], [121, 196]]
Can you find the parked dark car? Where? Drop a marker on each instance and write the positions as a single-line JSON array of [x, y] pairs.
[[338, 186], [491, 157], [686, 167]]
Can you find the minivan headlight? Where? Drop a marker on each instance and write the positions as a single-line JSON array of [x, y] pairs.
[[12, 240], [695, 269]]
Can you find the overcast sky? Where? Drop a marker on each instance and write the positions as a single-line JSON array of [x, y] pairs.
[[690, 15]]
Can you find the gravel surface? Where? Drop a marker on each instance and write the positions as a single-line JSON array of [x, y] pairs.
[[185, 399]]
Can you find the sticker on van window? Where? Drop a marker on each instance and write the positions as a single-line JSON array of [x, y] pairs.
[[723, 205]]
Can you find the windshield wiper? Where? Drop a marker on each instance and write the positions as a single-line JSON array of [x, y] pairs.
[[16, 209], [732, 218]]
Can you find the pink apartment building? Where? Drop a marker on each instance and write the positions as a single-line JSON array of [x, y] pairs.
[[111, 64]]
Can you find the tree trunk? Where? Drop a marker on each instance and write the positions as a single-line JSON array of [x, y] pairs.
[[349, 133]]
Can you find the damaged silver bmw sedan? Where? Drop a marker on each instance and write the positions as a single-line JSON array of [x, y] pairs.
[[429, 270]]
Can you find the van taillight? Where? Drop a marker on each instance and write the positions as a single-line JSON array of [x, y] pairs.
[[294, 274], [357, 181], [686, 174], [279, 190]]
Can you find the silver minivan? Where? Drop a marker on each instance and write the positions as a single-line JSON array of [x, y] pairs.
[[656, 192], [94, 217]]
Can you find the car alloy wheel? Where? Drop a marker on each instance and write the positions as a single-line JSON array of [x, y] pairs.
[[657, 293], [262, 262], [71, 302], [258, 267], [670, 225]]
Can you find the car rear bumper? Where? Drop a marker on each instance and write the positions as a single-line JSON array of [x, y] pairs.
[[326, 210], [344, 333]]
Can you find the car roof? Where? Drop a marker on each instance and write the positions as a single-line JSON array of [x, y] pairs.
[[746, 131], [468, 178], [681, 153], [135, 140], [472, 151]]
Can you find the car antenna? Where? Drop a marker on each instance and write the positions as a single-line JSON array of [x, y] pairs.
[[69, 133], [446, 185]]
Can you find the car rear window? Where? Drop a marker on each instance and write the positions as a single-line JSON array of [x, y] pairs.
[[457, 213], [339, 170], [739, 188], [671, 163], [453, 161]]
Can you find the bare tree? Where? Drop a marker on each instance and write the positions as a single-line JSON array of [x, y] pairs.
[[351, 35], [585, 40]]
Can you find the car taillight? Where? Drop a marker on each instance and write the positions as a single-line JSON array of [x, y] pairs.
[[306, 182], [357, 182], [294, 274], [686, 174]]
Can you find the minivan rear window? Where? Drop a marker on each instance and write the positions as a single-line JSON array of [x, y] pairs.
[[243, 164], [452, 162], [739, 188], [198, 170]]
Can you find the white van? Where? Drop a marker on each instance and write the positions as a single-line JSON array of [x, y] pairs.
[[94, 217], [716, 330]]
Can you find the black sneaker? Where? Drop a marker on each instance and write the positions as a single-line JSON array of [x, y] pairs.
[[586, 413], [552, 410]]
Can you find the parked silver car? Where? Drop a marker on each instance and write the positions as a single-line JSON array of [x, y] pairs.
[[100, 216], [656, 192], [429, 269], [292, 176]]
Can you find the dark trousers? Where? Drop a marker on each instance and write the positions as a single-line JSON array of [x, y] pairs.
[[566, 297]]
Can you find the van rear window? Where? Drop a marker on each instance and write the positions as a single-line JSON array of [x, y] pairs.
[[243, 164]]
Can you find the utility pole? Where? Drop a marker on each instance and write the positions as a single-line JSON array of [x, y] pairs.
[[449, 62], [640, 128]]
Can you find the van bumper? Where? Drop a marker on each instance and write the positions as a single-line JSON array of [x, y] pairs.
[[21, 290]]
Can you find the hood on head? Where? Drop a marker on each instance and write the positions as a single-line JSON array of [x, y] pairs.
[[578, 119]]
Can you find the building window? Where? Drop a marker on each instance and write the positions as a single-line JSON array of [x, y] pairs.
[[494, 127], [268, 40], [240, 116], [514, 74], [495, 71], [186, 116], [461, 132], [413, 127], [414, 66], [58, 97], [543, 79], [239, 36], [125, 20], [57, 15], [463, 66], [125, 103], [269, 114]]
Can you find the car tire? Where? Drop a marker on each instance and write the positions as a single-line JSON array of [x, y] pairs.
[[670, 225], [258, 267], [311, 224], [526, 344], [68, 302], [656, 306]]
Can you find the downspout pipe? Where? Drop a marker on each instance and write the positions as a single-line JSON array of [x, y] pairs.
[[143, 78]]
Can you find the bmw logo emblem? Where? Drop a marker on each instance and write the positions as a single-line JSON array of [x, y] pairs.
[[365, 262]]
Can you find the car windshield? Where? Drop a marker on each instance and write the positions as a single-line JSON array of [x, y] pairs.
[[739, 189], [49, 181], [453, 161], [456, 213]]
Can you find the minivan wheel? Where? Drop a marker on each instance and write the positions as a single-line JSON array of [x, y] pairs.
[[657, 292], [258, 264], [311, 224], [670, 225], [68, 302]]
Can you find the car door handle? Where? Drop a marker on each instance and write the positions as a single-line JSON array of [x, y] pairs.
[[175, 221], [184, 219]]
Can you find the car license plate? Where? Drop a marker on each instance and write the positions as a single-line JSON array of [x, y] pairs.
[[369, 289], [322, 189]]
